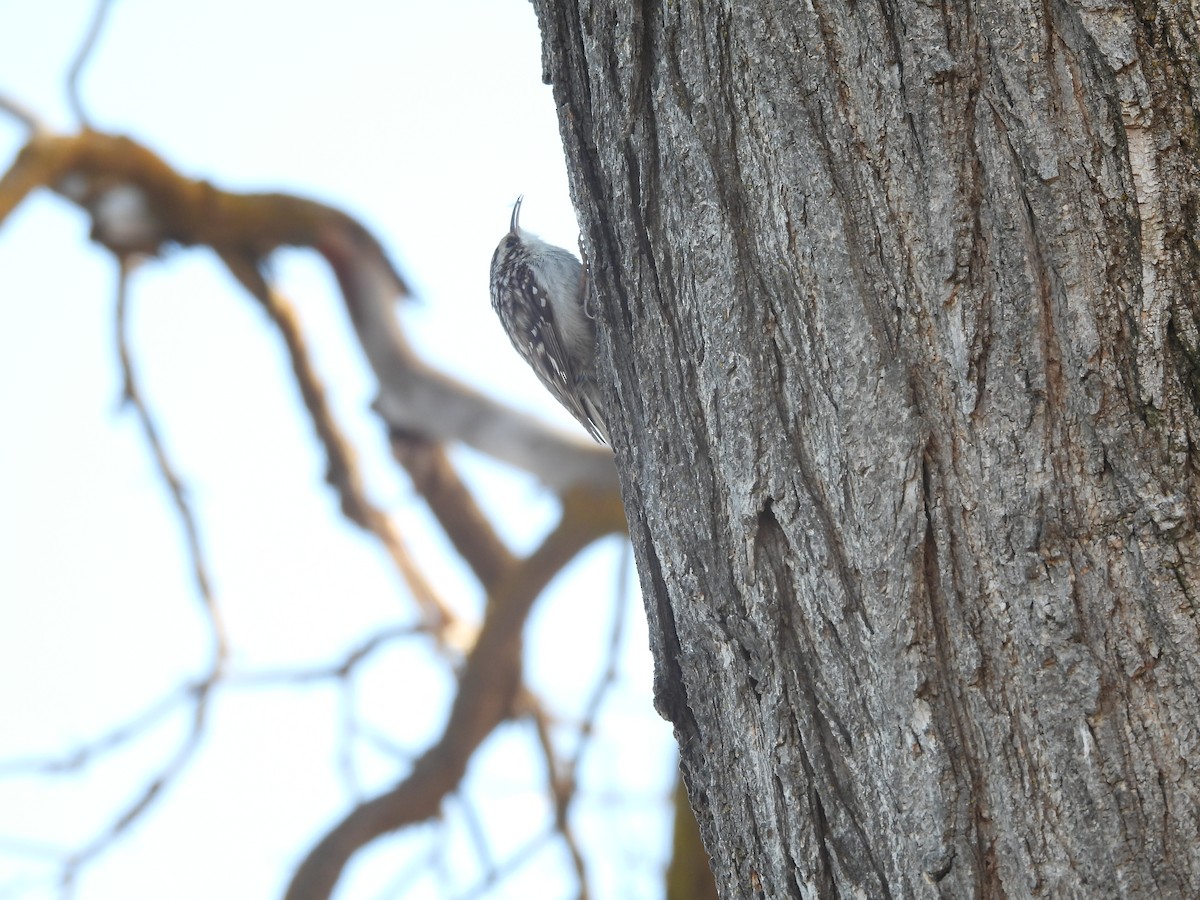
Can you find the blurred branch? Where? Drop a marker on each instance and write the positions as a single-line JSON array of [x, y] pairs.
[[23, 114], [487, 687], [30, 170], [342, 673], [457, 512], [83, 756], [152, 790], [561, 784], [522, 857], [339, 670], [413, 873], [563, 777], [81, 58], [138, 204], [198, 692], [608, 678], [385, 745], [478, 837], [71, 862], [132, 396], [342, 469], [347, 733]]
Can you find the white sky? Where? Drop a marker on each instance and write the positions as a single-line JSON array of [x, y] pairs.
[[426, 121]]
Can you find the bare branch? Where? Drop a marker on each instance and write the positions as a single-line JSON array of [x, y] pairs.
[[93, 169], [132, 396], [478, 836], [608, 678], [488, 685], [23, 114], [72, 862], [342, 672], [343, 472], [386, 746], [339, 670], [346, 734], [412, 874], [40, 163], [422, 408], [510, 866], [562, 791], [152, 790], [200, 692], [455, 508], [83, 756], [562, 778], [81, 58]]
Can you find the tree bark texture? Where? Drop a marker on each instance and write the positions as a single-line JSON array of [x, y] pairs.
[[900, 301]]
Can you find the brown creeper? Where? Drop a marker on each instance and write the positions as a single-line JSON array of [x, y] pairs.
[[539, 291]]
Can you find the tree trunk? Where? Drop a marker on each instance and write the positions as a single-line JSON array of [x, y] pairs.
[[900, 302]]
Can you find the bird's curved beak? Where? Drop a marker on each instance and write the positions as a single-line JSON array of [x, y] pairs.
[[513, 225]]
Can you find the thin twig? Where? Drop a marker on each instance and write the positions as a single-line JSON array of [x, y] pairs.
[[200, 692], [616, 636], [244, 228], [339, 670], [489, 683], [346, 736], [23, 114], [150, 793], [410, 876], [81, 757], [511, 865], [131, 395], [343, 673], [343, 471], [562, 792], [385, 746], [478, 836], [81, 58], [153, 789], [562, 779]]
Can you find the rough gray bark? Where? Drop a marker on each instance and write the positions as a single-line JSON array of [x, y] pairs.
[[901, 305]]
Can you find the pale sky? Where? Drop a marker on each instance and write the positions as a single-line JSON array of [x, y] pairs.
[[426, 121]]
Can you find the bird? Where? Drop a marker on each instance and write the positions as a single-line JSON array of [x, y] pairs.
[[540, 293]]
